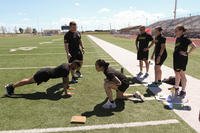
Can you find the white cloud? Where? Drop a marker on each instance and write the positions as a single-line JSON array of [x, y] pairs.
[[22, 13], [1, 23], [26, 19], [135, 17], [120, 19], [182, 11], [77, 4], [132, 7], [103, 10]]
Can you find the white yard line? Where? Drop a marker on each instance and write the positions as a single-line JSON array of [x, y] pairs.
[[58, 39], [133, 85], [95, 127], [32, 54], [107, 58], [111, 61], [90, 52], [45, 42], [26, 68], [145, 99], [103, 56], [129, 61], [149, 98]]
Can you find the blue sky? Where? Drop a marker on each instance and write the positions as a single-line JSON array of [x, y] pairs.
[[90, 14]]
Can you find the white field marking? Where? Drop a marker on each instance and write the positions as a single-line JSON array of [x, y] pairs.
[[107, 58], [123, 57], [133, 85], [45, 42], [145, 99], [32, 54], [95, 127], [26, 68], [91, 47], [149, 98], [90, 52], [101, 52], [22, 48], [111, 61], [103, 56], [42, 47], [40, 54], [59, 39]]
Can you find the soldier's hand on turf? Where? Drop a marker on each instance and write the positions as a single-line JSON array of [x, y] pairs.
[[68, 94]]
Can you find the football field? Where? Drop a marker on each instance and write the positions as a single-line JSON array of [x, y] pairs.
[[44, 107], [129, 44]]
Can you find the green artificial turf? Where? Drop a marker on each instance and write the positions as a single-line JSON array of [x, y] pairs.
[[44, 107], [194, 58]]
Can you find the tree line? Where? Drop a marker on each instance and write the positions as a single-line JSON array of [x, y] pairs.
[[27, 30]]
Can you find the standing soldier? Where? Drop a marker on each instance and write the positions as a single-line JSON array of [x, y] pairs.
[[160, 54], [142, 45], [180, 59], [74, 49]]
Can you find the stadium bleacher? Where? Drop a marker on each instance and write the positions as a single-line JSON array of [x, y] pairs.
[[192, 24]]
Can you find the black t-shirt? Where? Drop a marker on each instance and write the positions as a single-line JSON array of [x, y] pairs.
[[143, 40], [182, 44], [110, 73], [73, 39], [60, 71], [159, 41]]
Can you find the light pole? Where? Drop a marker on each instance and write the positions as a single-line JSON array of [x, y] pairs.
[[175, 7], [110, 27], [146, 21]]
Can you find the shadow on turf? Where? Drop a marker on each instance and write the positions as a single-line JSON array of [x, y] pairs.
[[101, 112], [184, 108], [52, 93], [134, 80], [148, 93]]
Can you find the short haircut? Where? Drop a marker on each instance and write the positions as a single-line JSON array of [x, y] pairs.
[[182, 28], [76, 62], [102, 63], [72, 23], [159, 28], [142, 27]]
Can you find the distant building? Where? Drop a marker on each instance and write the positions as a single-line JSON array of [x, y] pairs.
[[113, 31], [50, 32]]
